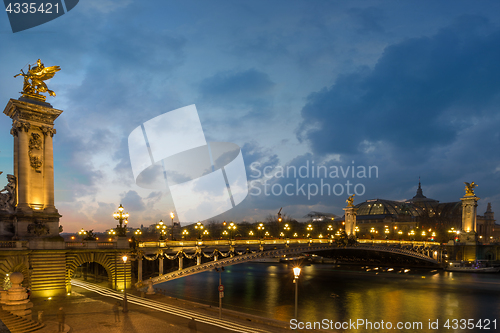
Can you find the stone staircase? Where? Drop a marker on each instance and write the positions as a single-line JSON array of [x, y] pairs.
[[18, 324]]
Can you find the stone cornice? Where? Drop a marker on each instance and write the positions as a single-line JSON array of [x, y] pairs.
[[31, 112]]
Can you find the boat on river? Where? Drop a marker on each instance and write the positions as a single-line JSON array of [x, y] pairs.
[[476, 267]]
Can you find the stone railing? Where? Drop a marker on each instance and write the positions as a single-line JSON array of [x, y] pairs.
[[13, 244], [91, 245]]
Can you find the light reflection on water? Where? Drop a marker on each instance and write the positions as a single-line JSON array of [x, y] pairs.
[[267, 290]]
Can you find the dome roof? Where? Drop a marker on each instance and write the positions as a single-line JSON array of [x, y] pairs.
[[386, 207]]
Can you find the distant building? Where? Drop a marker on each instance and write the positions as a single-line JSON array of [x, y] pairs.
[[395, 219]]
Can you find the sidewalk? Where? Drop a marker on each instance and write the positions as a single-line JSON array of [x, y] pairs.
[[87, 311]]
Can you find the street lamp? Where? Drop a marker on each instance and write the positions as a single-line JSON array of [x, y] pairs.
[[221, 290], [121, 217], [286, 228], [250, 233], [199, 227], [279, 215], [309, 230], [162, 229], [82, 233], [185, 233], [125, 307], [296, 274], [205, 233], [172, 217], [231, 228], [400, 233], [224, 233], [261, 229]]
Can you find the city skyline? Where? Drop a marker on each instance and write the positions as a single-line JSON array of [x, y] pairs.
[[407, 88]]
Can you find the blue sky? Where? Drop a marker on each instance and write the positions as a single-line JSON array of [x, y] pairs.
[[411, 87]]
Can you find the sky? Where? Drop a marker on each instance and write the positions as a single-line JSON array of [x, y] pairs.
[[309, 90]]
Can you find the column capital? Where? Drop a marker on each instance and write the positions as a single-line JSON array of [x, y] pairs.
[[18, 126], [46, 130]]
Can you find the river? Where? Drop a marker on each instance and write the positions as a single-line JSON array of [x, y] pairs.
[[346, 294]]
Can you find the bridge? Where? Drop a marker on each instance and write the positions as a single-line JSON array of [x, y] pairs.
[[259, 249]]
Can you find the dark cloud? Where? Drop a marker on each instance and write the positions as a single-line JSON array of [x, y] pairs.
[[132, 201], [420, 94]]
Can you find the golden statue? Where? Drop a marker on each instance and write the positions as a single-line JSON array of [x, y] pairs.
[[350, 201], [469, 188], [37, 74]]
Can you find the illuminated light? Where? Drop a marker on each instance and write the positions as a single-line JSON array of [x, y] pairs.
[[50, 298], [109, 239], [68, 294], [407, 270], [130, 239], [390, 269], [296, 272], [97, 238]]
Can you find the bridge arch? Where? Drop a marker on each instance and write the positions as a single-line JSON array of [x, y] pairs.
[[76, 259]]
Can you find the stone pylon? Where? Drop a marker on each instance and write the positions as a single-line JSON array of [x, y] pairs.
[[33, 129], [350, 217], [468, 233]]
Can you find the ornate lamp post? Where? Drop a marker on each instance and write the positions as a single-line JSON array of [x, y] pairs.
[[162, 229], [122, 218], [205, 233], [330, 229], [309, 230], [261, 229], [199, 227], [296, 274], [286, 228], [138, 232], [231, 228], [185, 233], [82, 233], [250, 233], [279, 215], [125, 306], [224, 233], [172, 217]]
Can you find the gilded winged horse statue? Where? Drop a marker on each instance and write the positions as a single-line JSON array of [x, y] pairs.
[[34, 80]]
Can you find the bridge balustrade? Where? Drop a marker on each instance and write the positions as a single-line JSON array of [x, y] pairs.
[[13, 244], [90, 245]]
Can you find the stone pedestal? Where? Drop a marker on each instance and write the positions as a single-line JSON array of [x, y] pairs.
[[150, 290], [16, 301], [33, 130], [350, 220]]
